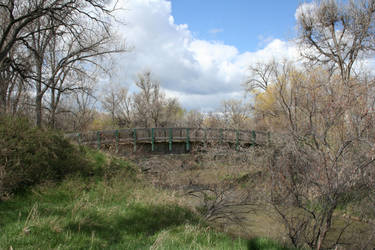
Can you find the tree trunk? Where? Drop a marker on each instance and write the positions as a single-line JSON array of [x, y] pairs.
[[38, 110], [39, 97]]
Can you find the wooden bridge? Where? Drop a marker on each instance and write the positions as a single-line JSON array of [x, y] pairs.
[[168, 140]]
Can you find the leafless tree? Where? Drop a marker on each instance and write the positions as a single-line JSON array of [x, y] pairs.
[[194, 119], [118, 103], [77, 58], [62, 37], [236, 113], [17, 16], [172, 113], [13, 85], [151, 106], [77, 109], [337, 34], [324, 152], [261, 76]]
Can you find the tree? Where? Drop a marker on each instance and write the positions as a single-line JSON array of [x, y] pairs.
[[83, 110], [17, 16], [337, 34], [213, 120], [236, 114], [151, 106], [324, 152], [172, 113], [262, 85], [194, 119], [118, 104], [261, 76], [12, 84], [62, 37]]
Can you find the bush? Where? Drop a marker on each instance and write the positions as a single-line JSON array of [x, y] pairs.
[[29, 156]]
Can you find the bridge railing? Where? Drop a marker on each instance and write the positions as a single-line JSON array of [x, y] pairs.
[[170, 135]]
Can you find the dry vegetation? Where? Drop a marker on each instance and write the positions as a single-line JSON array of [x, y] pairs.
[[234, 192]]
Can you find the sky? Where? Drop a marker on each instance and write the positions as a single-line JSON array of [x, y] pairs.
[[200, 50], [247, 25]]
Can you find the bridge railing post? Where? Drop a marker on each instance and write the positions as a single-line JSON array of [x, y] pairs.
[[170, 139], [79, 138], [205, 137], [187, 140], [117, 141], [221, 136], [253, 138], [98, 139], [152, 139], [269, 138], [134, 140], [237, 140]]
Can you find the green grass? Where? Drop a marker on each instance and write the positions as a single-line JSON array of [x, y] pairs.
[[73, 215], [264, 243], [112, 209], [108, 213]]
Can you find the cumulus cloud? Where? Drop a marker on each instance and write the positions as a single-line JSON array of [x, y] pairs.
[[199, 72]]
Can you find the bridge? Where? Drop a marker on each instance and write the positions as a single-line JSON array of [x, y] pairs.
[[168, 140]]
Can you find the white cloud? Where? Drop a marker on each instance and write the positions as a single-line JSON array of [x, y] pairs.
[[306, 9], [201, 73], [215, 31]]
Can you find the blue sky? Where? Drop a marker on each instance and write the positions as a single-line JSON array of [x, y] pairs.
[[201, 50], [246, 24]]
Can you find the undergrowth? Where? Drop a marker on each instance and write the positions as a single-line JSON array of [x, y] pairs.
[[56, 195]]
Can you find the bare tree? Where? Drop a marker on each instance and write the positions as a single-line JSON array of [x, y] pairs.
[[143, 101], [337, 34], [261, 76], [12, 84], [118, 103], [76, 58], [17, 16], [66, 34], [214, 120], [172, 113], [77, 109], [236, 113], [194, 119], [151, 106], [324, 151]]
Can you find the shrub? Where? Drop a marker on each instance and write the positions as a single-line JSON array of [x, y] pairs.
[[29, 156]]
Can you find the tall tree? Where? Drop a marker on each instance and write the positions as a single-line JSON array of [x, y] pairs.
[[62, 37], [336, 34]]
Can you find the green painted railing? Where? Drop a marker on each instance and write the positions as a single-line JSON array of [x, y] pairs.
[[153, 136]]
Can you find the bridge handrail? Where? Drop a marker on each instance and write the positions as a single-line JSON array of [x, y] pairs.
[[170, 134]]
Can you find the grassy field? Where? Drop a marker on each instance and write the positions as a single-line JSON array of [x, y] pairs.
[[116, 211]]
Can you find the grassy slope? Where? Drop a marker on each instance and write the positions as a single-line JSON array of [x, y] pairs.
[[97, 213]]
